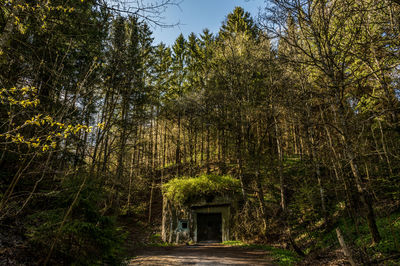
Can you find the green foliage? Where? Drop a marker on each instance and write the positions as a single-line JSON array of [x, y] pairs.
[[281, 256], [183, 190], [87, 238], [238, 21], [360, 239], [390, 232], [233, 243]]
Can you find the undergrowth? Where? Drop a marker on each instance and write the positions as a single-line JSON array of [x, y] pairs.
[[359, 239], [182, 190], [280, 256]]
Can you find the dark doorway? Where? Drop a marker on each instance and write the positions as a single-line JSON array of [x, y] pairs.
[[209, 227]]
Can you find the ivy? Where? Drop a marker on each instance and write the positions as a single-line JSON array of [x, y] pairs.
[[183, 190]]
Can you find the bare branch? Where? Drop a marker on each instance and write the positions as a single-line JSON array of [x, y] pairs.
[[150, 11]]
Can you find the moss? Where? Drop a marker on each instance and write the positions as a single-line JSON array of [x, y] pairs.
[[233, 243], [183, 190]]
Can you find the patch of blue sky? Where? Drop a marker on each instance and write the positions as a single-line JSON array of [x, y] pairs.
[[196, 15]]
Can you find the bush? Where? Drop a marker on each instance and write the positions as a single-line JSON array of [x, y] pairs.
[[87, 237], [182, 190]]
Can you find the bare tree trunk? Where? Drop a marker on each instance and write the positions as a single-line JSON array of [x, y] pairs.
[[376, 144], [195, 147], [223, 148], [151, 167], [155, 144], [202, 144], [208, 150], [385, 148], [164, 199], [370, 186], [172, 224], [317, 170], [164, 219], [345, 249], [139, 151], [295, 140], [218, 146], [260, 195], [128, 203], [282, 179], [164, 151], [190, 140], [184, 145], [178, 148], [239, 161], [365, 198], [151, 200], [338, 168]]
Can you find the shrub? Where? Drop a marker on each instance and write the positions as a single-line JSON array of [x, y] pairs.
[[86, 238], [182, 190]]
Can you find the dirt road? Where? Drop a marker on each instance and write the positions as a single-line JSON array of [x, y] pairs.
[[205, 254]]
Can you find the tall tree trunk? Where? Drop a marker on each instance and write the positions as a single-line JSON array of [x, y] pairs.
[[128, 203], [202, 144], [151, 170], [317, 169], [365, 198], [282, 179], [195, 147], [164, 199], [208, 150], [385, 148], [260, 195], [239, 160], [178, 148], [164, 219]]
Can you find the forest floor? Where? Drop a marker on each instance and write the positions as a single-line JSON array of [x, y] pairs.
[[201, 254]]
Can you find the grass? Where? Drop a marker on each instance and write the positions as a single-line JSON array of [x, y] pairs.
[[386, 252], [163, 244], [155, 240], [389, 228], [281, 256]]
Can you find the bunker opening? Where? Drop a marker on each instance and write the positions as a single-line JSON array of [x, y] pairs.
[[209, 227]]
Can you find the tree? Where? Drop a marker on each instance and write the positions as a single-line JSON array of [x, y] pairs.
[[327, 47], [236, 22]]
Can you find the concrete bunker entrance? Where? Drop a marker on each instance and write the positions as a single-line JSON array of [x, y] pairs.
[[209, 227], [211, 222]]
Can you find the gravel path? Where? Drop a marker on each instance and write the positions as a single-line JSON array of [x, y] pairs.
[[203, 254]]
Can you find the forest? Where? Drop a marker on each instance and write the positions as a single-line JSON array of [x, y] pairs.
[[295, 112]]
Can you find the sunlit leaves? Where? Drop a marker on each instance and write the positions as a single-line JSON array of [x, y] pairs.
[[181, 190], [26, 98]]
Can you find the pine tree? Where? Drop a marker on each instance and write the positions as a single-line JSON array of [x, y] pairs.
[[239, 21]]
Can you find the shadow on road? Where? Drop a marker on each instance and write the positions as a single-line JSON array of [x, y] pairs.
[[202, 254]]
